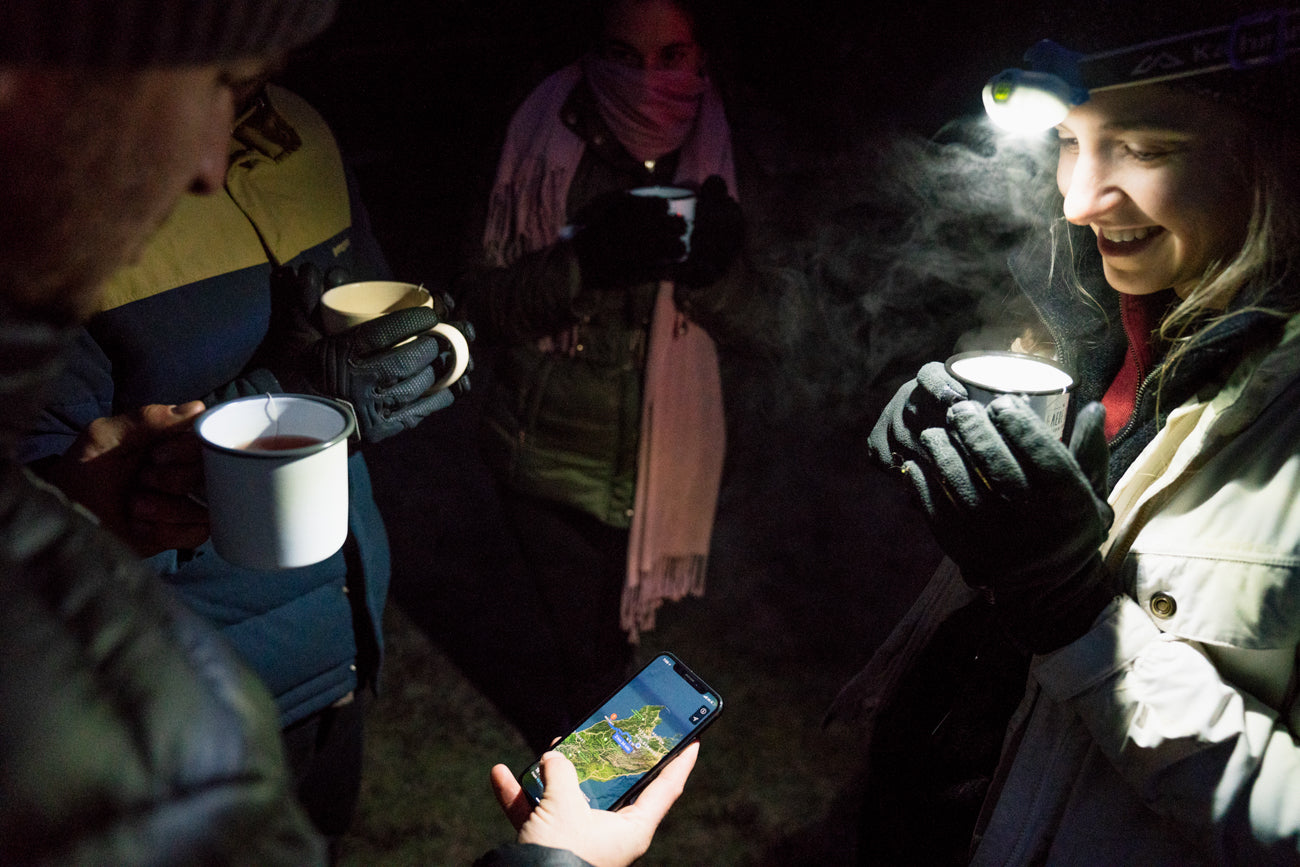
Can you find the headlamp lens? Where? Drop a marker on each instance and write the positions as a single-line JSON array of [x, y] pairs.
[[1022, 101]]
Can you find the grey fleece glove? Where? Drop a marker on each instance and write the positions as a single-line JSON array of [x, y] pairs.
[[1021, 514], [920, 403]]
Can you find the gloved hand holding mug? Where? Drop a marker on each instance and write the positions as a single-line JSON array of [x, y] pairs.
[[375, 366], [716, 237], [445, 306], [621, 239], [1021, 514]]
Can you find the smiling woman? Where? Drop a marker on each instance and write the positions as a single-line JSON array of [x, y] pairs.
[[1159, 175], [1151, 568]]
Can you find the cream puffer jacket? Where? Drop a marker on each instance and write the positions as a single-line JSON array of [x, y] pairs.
[[1165, 734]]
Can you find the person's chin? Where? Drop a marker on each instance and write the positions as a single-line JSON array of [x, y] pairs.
[[1132, 282]]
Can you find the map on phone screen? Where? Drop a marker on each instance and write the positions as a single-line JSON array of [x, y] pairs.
[[619, 745], [631, 733]]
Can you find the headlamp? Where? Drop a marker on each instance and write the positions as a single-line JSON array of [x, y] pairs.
[[1038, 98], [1056, 79]]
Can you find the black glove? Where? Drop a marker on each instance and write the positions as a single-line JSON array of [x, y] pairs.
[[921, 403], [622, 239], [295, 302], [385, 382], [717, 237], [1021, 514]]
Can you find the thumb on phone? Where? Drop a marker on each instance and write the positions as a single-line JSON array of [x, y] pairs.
[[663, 791]]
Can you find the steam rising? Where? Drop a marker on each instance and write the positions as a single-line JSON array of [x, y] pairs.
[[867, 263], [892, 253]]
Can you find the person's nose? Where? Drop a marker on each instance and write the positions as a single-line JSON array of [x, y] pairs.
[[1090, 189], [214, 147]]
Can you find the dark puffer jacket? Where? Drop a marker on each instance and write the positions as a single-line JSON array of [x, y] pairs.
[[129, 733]]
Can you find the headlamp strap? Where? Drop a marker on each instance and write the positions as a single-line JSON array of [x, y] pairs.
[[1259, 39]]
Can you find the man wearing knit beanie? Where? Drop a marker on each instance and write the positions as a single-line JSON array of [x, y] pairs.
[[128, 731], [109, 111]]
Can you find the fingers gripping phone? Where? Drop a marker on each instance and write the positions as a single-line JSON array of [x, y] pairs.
[[625, 742]]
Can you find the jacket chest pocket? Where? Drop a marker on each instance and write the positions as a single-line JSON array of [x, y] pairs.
[[1218, 598]]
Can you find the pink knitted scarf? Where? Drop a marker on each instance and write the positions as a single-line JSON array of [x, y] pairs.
[[650, 111]]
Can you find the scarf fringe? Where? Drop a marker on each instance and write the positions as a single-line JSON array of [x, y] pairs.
[[671, 579]]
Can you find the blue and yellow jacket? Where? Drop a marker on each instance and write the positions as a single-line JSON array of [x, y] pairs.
[[183, 324]]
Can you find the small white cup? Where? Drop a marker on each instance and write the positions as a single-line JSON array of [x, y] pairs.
[[276, 472], [1041, 381], [351, 304], [681, 202]]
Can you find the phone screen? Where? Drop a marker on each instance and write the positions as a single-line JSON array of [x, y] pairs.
[[651, 718]]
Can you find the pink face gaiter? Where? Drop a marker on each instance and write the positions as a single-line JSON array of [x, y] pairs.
[[651, 111]]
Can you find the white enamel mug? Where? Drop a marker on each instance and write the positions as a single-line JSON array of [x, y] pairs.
[[1041, 381], [276, 474], [681, 202]]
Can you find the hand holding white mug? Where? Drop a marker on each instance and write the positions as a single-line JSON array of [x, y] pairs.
[[136, 472], [1043, 383], [391, 361], [680, 202], [276, 473]]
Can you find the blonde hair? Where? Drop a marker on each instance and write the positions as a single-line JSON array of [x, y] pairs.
[[1263, 261]]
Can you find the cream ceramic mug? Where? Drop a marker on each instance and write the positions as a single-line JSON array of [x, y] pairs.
[[351, 304]]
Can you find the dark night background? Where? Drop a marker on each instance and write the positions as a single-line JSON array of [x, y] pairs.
[[816, 553], [419, 91]]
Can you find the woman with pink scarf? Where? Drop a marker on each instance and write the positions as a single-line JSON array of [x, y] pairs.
[[604, 420]]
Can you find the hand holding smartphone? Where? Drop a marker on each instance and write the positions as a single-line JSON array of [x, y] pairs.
[[613, 838], [626, 741]]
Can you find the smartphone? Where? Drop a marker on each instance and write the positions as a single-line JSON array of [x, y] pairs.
[[624, 743]]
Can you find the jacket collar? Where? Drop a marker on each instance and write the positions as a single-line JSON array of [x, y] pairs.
[[262, 130]]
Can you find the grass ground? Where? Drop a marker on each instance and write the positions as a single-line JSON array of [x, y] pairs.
[[768, 776], [812, 564]]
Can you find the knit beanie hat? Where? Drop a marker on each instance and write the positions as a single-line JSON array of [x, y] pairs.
[[1263, 29], [138, 33]]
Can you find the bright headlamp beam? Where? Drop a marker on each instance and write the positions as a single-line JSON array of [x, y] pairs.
[[1023, 101], [1038, 98]]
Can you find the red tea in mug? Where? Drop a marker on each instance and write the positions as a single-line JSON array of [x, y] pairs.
[[281, 442]]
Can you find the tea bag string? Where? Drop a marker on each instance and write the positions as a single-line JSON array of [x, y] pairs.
[[271, 416]]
